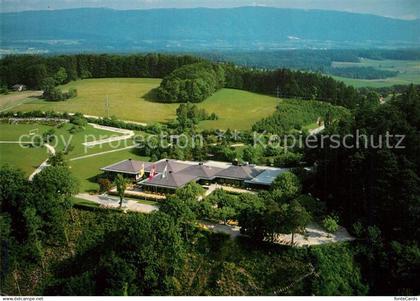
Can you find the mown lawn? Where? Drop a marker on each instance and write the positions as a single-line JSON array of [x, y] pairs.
[[29, 158], [86, 170], [236, 109], [26, 159]]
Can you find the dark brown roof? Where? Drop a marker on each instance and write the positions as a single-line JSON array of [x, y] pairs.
[[170, 180], [173, 166], [132, 167], [201, 171], [244, 172]]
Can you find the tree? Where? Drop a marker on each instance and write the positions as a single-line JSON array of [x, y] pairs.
[[251, 155], [61, 76], [105, 185], [182, 210], [121, 184], [57, 160], [14, 189], [48, 84], [296, 219], [289, 184], [52, 190], [190, 192], [252, 217], [338, 274], [35, 75], [115, 277]]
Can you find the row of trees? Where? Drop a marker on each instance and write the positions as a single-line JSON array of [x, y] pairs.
[[292, 84], [32, 70], [189, 115], [362, 72]]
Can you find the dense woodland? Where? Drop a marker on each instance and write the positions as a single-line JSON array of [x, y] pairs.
[[32, 70], [306, 59], [292, 114], [378, 188]]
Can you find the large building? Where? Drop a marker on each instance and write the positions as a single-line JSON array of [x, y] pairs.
[[165, 176]]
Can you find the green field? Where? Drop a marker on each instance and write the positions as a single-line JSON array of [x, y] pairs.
[[86, 170], [28, 159], [236, 109], [409, 72]]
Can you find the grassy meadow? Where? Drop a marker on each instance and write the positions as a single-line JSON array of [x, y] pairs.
[[85, 169], [127, 100], [409, 72]]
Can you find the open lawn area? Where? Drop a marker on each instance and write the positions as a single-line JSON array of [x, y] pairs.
[[87, 169], [236, 109], [26, 159], [409, 72], [29, 158]]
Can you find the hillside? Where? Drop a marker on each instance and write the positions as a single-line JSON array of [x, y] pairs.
[[201, 29], [236, 109]]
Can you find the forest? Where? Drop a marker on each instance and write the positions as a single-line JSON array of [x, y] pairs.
[[305, 59], [384, 200]]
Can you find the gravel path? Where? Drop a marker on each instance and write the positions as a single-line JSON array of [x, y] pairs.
[[103, 153], [106, 201], [127, 134], [44, 164]]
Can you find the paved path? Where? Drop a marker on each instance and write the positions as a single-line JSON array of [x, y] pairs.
[[315, 235], [103, 153], [107, 201], [44, 164], [127, 134], [126, 121], [317, 130], [15, 142]]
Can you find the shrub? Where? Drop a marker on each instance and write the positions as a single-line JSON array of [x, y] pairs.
[[105, 185], [330, 223]]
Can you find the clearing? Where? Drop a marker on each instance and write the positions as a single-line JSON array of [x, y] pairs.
[[236, 109]]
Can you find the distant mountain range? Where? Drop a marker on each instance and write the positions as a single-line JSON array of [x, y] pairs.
[[246, 28]]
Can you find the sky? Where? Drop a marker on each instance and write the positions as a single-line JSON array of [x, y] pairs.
[[402, 9]]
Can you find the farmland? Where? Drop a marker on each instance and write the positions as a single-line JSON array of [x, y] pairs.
[[409, 72], [128, 101]]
